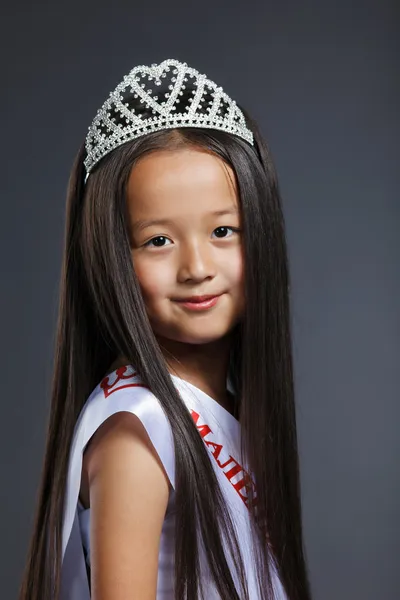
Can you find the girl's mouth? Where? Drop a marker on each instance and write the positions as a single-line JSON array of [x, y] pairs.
[[197, 306]]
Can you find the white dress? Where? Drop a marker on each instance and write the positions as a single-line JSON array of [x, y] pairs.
[[122, 390]]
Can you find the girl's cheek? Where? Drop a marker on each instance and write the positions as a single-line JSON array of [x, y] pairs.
[[236, 269], [154, 279]]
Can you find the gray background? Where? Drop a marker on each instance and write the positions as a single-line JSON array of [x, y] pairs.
[[320, 78]]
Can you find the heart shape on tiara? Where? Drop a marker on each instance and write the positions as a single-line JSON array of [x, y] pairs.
[[146, 82]]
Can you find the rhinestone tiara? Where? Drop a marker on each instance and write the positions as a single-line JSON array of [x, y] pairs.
[[164, 96]]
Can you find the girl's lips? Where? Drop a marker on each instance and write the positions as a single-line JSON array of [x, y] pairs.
[[200, 305]]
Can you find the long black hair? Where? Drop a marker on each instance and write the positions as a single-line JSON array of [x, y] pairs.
[[102, 315]]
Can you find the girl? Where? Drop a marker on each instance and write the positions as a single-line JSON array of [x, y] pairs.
[[171, 467]]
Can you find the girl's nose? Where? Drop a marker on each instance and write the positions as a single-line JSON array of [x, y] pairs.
[[196, 262]]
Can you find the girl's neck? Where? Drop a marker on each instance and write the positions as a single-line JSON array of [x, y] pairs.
[[204, 366]]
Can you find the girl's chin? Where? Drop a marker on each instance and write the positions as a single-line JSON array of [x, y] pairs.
[[199, 337], [193, 330]]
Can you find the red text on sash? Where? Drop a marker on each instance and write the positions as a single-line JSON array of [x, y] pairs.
[[237, 476], [120, 381]]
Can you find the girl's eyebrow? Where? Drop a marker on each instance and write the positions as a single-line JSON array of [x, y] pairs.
[[141, 224]]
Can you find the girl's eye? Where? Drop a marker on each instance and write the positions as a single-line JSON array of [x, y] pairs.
[[224, 228], [159, 237], [158, 241]]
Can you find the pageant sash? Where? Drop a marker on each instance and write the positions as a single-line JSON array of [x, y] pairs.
[[123, 390]]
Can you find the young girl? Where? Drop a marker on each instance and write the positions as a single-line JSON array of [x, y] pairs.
[[171, 467]]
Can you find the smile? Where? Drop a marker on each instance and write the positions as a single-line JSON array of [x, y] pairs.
[[198, 306]]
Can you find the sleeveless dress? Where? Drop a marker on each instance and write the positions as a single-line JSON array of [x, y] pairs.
[[123, 390]]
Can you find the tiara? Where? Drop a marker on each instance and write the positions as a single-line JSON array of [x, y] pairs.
[[143, 103]]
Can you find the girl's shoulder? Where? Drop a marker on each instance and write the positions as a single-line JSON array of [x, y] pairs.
[[122, 390]]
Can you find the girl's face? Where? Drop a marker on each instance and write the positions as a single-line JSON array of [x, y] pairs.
[[181, 247]]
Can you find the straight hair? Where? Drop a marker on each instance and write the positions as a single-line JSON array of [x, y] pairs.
[[102, 315]]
